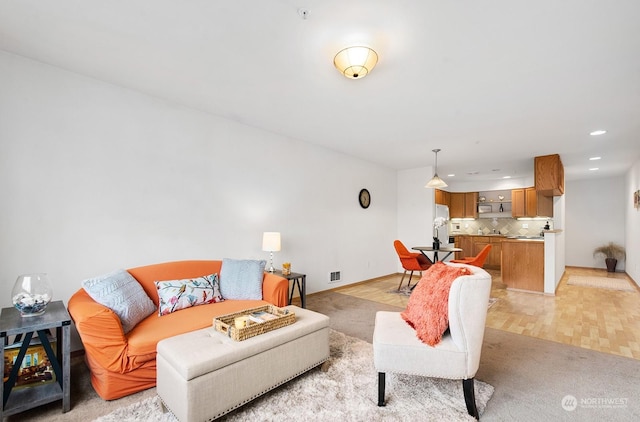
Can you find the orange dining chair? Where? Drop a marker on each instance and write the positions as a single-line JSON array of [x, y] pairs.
[[478, 260], [411, 261]]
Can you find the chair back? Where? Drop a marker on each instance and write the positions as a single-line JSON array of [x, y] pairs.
[[481, 257], [468, 306], [411, 261], [402, 251]]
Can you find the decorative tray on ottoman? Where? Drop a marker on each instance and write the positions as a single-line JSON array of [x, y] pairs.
[[258, 321]]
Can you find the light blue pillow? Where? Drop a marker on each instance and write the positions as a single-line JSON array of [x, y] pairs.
[[121, 293], [241, 279]]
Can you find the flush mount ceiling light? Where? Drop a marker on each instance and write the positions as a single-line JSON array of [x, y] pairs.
[[355, 62], [436, 182]]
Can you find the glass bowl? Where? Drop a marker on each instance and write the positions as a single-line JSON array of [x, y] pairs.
[[31, 294]]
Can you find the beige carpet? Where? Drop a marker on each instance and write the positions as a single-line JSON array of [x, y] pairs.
[[347, 391], [600, 282]]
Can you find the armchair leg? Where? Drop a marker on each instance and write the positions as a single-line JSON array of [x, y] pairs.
[[381, 382], [470, 397], [402, 279], [410, 275]]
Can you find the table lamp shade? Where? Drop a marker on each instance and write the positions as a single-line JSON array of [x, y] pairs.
[[271, 241]]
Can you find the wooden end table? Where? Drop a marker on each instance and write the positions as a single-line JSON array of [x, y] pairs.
[[299, 280], [12, 324]]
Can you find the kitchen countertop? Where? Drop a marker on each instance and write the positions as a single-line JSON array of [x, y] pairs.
[[524, 239], [488, 234]]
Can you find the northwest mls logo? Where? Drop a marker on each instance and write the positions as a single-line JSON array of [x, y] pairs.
[[569, 403]]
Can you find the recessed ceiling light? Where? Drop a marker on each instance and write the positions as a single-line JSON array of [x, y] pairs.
[[451, 175], [594, 158], [594, 169], [598, 132], [507, 177]]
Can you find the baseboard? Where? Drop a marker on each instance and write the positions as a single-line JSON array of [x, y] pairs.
[[355, 284]]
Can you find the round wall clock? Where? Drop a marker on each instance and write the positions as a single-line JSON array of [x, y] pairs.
[[364, 197]]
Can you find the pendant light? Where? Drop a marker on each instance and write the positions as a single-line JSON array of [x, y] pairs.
[[436, 182]]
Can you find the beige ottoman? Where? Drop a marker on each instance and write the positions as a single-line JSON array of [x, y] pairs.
[[204, 374]]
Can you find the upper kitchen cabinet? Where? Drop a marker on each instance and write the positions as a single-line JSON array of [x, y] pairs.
[[549, 175], [463, 205], [518, 203], [443, 197], [530, 203]]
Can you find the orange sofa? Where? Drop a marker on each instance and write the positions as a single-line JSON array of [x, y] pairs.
[[125, 364]]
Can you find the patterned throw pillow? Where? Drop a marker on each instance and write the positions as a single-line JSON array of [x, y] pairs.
[[174, 295], [241, 279], [121, 293], [428, 307]]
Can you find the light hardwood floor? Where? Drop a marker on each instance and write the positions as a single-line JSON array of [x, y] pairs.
[[599, 319]]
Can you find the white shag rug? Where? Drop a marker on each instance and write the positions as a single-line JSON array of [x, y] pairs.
[[347, 391], [601, 282]]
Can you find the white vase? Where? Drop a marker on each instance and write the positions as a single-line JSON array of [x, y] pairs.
[[31, 294]]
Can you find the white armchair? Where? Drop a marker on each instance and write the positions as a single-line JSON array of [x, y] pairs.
[[397, 349]]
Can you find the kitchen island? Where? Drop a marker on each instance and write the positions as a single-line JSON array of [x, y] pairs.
[[530, 264], [523, 264]]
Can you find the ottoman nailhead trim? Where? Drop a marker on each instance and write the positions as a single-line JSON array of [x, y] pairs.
[[256, 395]]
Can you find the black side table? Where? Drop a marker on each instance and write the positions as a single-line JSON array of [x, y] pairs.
[[299, 280], [11, 323]]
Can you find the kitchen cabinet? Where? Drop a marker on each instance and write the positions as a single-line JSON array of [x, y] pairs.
[[471, 205], [518, 207], [443, 197], [493, 259], [522, 264], [549, 175], [479, 242], [472, 245], [529, 202], [466, 244], [463, 205], [538, 205]]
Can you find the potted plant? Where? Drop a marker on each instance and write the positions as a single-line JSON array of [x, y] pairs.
[[437, 223], [611, 252]]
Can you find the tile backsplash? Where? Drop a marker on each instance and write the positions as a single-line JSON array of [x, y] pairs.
[[506, 226]]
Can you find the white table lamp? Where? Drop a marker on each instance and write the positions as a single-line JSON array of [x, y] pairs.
[[271, 244]]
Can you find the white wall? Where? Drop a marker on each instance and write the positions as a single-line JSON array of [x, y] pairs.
[[632, 219], [595, 215], [416, 209], [95, 177]]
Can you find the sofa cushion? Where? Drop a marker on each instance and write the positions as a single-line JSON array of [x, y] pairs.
[[143, 339], [428, 306], [121, 293], [241, 279], [174, 295]]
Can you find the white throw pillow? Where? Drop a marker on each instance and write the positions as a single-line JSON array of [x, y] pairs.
[[241, 279], [174, 295], [121, 293]]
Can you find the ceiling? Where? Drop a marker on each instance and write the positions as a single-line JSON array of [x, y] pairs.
[[492, 83]]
